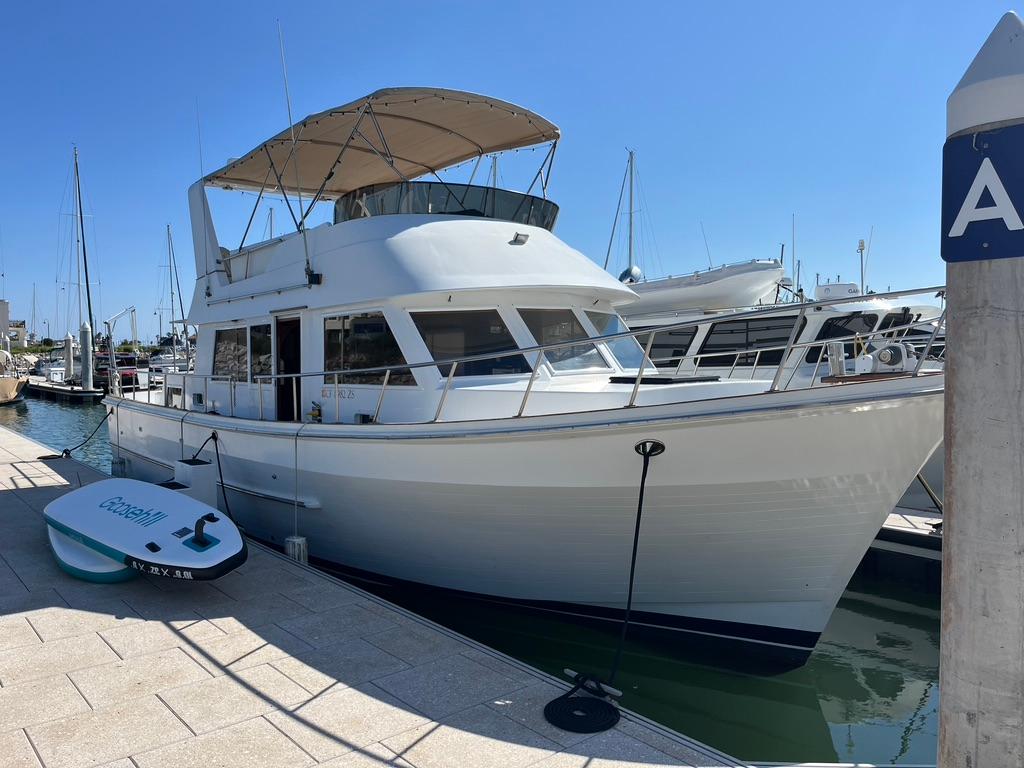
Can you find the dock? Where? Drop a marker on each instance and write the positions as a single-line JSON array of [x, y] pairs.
[[275, 664], [63, 393]]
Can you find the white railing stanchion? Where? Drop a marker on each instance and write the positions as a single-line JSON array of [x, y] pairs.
[[259, 389], [337, 401], [296, 416], [797, 328], [643, 367], [444, 393], [931, 341], [753, 369], [380, 397], [529, 385]]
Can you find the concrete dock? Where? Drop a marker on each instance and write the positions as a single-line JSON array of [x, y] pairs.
[[276, 664]]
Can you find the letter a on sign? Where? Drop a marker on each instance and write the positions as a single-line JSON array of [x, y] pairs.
[[987, 178]]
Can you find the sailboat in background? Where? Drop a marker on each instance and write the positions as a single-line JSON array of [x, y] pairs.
[[63, 380], [740, 284]]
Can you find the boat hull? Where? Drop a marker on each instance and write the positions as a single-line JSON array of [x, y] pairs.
[[744, 535]]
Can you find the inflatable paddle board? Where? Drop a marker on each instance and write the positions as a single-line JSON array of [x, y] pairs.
[[109, 530]]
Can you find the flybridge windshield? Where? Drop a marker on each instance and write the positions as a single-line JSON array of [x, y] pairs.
[[443, 198]]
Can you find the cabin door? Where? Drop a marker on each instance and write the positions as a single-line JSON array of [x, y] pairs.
[[289, 360]]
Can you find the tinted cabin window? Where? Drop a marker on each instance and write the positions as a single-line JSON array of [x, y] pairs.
[[230, 353], [897, 320], [748, 334], [261, 359], [628, 352], [837, 328], [362, 341], [670, 347], [461, 334], [553, 326]]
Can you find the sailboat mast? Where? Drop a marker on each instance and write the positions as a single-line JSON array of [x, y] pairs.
[[170, 282], [631, 171], [85, 259]]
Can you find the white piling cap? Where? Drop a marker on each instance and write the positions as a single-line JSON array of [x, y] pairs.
[[992, 88]]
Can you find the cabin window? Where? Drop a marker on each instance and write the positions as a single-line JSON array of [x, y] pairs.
[[464, 333], [553, 326], [895, 320], [751, 334], [362, 341], [230, 353], [627, 351], [261, 359], [839, 327], [669, 347]]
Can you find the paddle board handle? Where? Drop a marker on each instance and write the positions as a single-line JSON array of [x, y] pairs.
[[199, 538]]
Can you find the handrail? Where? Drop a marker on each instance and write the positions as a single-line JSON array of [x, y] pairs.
[[786, 359], [603, 339]]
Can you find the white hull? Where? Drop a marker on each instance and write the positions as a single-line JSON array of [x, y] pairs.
[[742, 536], [733, 285]]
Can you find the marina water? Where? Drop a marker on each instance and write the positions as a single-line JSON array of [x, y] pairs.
[[868, 694]]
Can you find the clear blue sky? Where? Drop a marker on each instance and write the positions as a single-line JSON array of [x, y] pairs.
[[741, 114]]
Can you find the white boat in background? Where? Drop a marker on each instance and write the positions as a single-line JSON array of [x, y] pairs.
[[12, 381], [743, 284], [433, 389]]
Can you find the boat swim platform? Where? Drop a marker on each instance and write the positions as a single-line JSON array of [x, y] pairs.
[[275, 664], [63, 393]]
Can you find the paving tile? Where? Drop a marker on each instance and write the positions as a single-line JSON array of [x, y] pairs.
[[611, 749], [492, 739], [342, 665], [137, 676], [56, 623], [31, 662], [526, 706], [16, 751], [231, 615], [37, 701], [440, 688], [371, 756], [124, 762], [22, 603], [87, 596], [16, 632], [323, 596], [685, 751], [326, 627], [107, 734], [333, 724], [139, 638], [416, 643], [248, 648], [221, 701], [508, 668], [245, 585], [252, 744]]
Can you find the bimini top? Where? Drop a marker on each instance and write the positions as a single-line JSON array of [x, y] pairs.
[[391, 134]]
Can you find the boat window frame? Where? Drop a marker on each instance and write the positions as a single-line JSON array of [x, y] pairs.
[[382, 311], [745, 357], [244, 328], [514, 328], [588, 327]]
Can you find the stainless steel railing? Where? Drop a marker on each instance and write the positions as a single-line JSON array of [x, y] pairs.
[[648, 366]]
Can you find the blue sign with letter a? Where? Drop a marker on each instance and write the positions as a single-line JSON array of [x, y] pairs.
[[983, 195]]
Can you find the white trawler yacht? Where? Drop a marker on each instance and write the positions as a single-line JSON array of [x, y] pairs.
[[434, 389]]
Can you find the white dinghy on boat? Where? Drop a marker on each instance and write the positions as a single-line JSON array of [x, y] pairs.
[[433, 389], [114, 529]]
